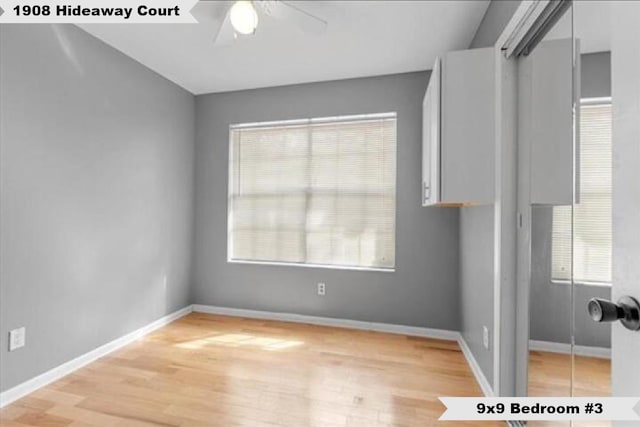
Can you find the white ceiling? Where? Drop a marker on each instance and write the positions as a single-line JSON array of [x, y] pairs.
[[364, 38]]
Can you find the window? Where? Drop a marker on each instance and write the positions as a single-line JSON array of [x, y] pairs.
[[592, 221], [314, 192]]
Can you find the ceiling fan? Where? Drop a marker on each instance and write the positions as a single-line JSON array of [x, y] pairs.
[[242, 18]]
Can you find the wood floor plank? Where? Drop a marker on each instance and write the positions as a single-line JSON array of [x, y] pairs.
[[43, 419]]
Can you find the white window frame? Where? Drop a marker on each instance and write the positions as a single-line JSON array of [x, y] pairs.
[[328, 119]]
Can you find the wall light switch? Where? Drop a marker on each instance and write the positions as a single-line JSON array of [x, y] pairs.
[[17, 338]]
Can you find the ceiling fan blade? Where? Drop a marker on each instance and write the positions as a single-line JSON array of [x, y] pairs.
[[211, 11], [215, 15], [294, 12], [225, 35]]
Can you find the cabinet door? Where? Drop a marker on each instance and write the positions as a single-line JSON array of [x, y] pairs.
[[431, 139], [468, 127]]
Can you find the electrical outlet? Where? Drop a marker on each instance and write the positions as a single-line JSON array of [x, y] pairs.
[[321, 289], [16, 338], [485, 337]]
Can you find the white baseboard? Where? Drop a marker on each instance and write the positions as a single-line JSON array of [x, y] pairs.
[[579, 350], [331, 321], [475, 368], [58, 372]]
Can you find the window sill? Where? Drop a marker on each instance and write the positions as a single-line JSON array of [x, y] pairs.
[[325, 266], [584, 283]]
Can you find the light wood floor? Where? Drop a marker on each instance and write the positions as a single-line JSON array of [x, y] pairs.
[[206, 370], [550, 375]]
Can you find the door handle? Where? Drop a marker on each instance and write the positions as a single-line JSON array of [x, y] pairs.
[[627, 310]]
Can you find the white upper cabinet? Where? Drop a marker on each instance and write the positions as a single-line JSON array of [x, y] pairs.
[[458, 151]]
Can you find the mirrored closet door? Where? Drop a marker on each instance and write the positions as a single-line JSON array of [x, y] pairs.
[[565, 203], [548, 90], [592, 211]]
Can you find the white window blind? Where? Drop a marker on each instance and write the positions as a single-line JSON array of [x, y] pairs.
[[317, 191], [592, 221]]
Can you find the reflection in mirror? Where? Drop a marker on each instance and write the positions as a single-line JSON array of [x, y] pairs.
[[564, 197], [548, 75], [571, 242], [592, 219]]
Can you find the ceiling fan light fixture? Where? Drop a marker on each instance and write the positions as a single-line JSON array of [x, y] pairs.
[[244, 17]]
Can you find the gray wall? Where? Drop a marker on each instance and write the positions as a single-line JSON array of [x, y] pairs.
[[96, 194], [477, 227], [476, 281], [595, 75], [495, 19], [550, 316], [423, 291]]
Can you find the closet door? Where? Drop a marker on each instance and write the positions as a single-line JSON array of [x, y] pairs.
[[546, 152], [593, 227]]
